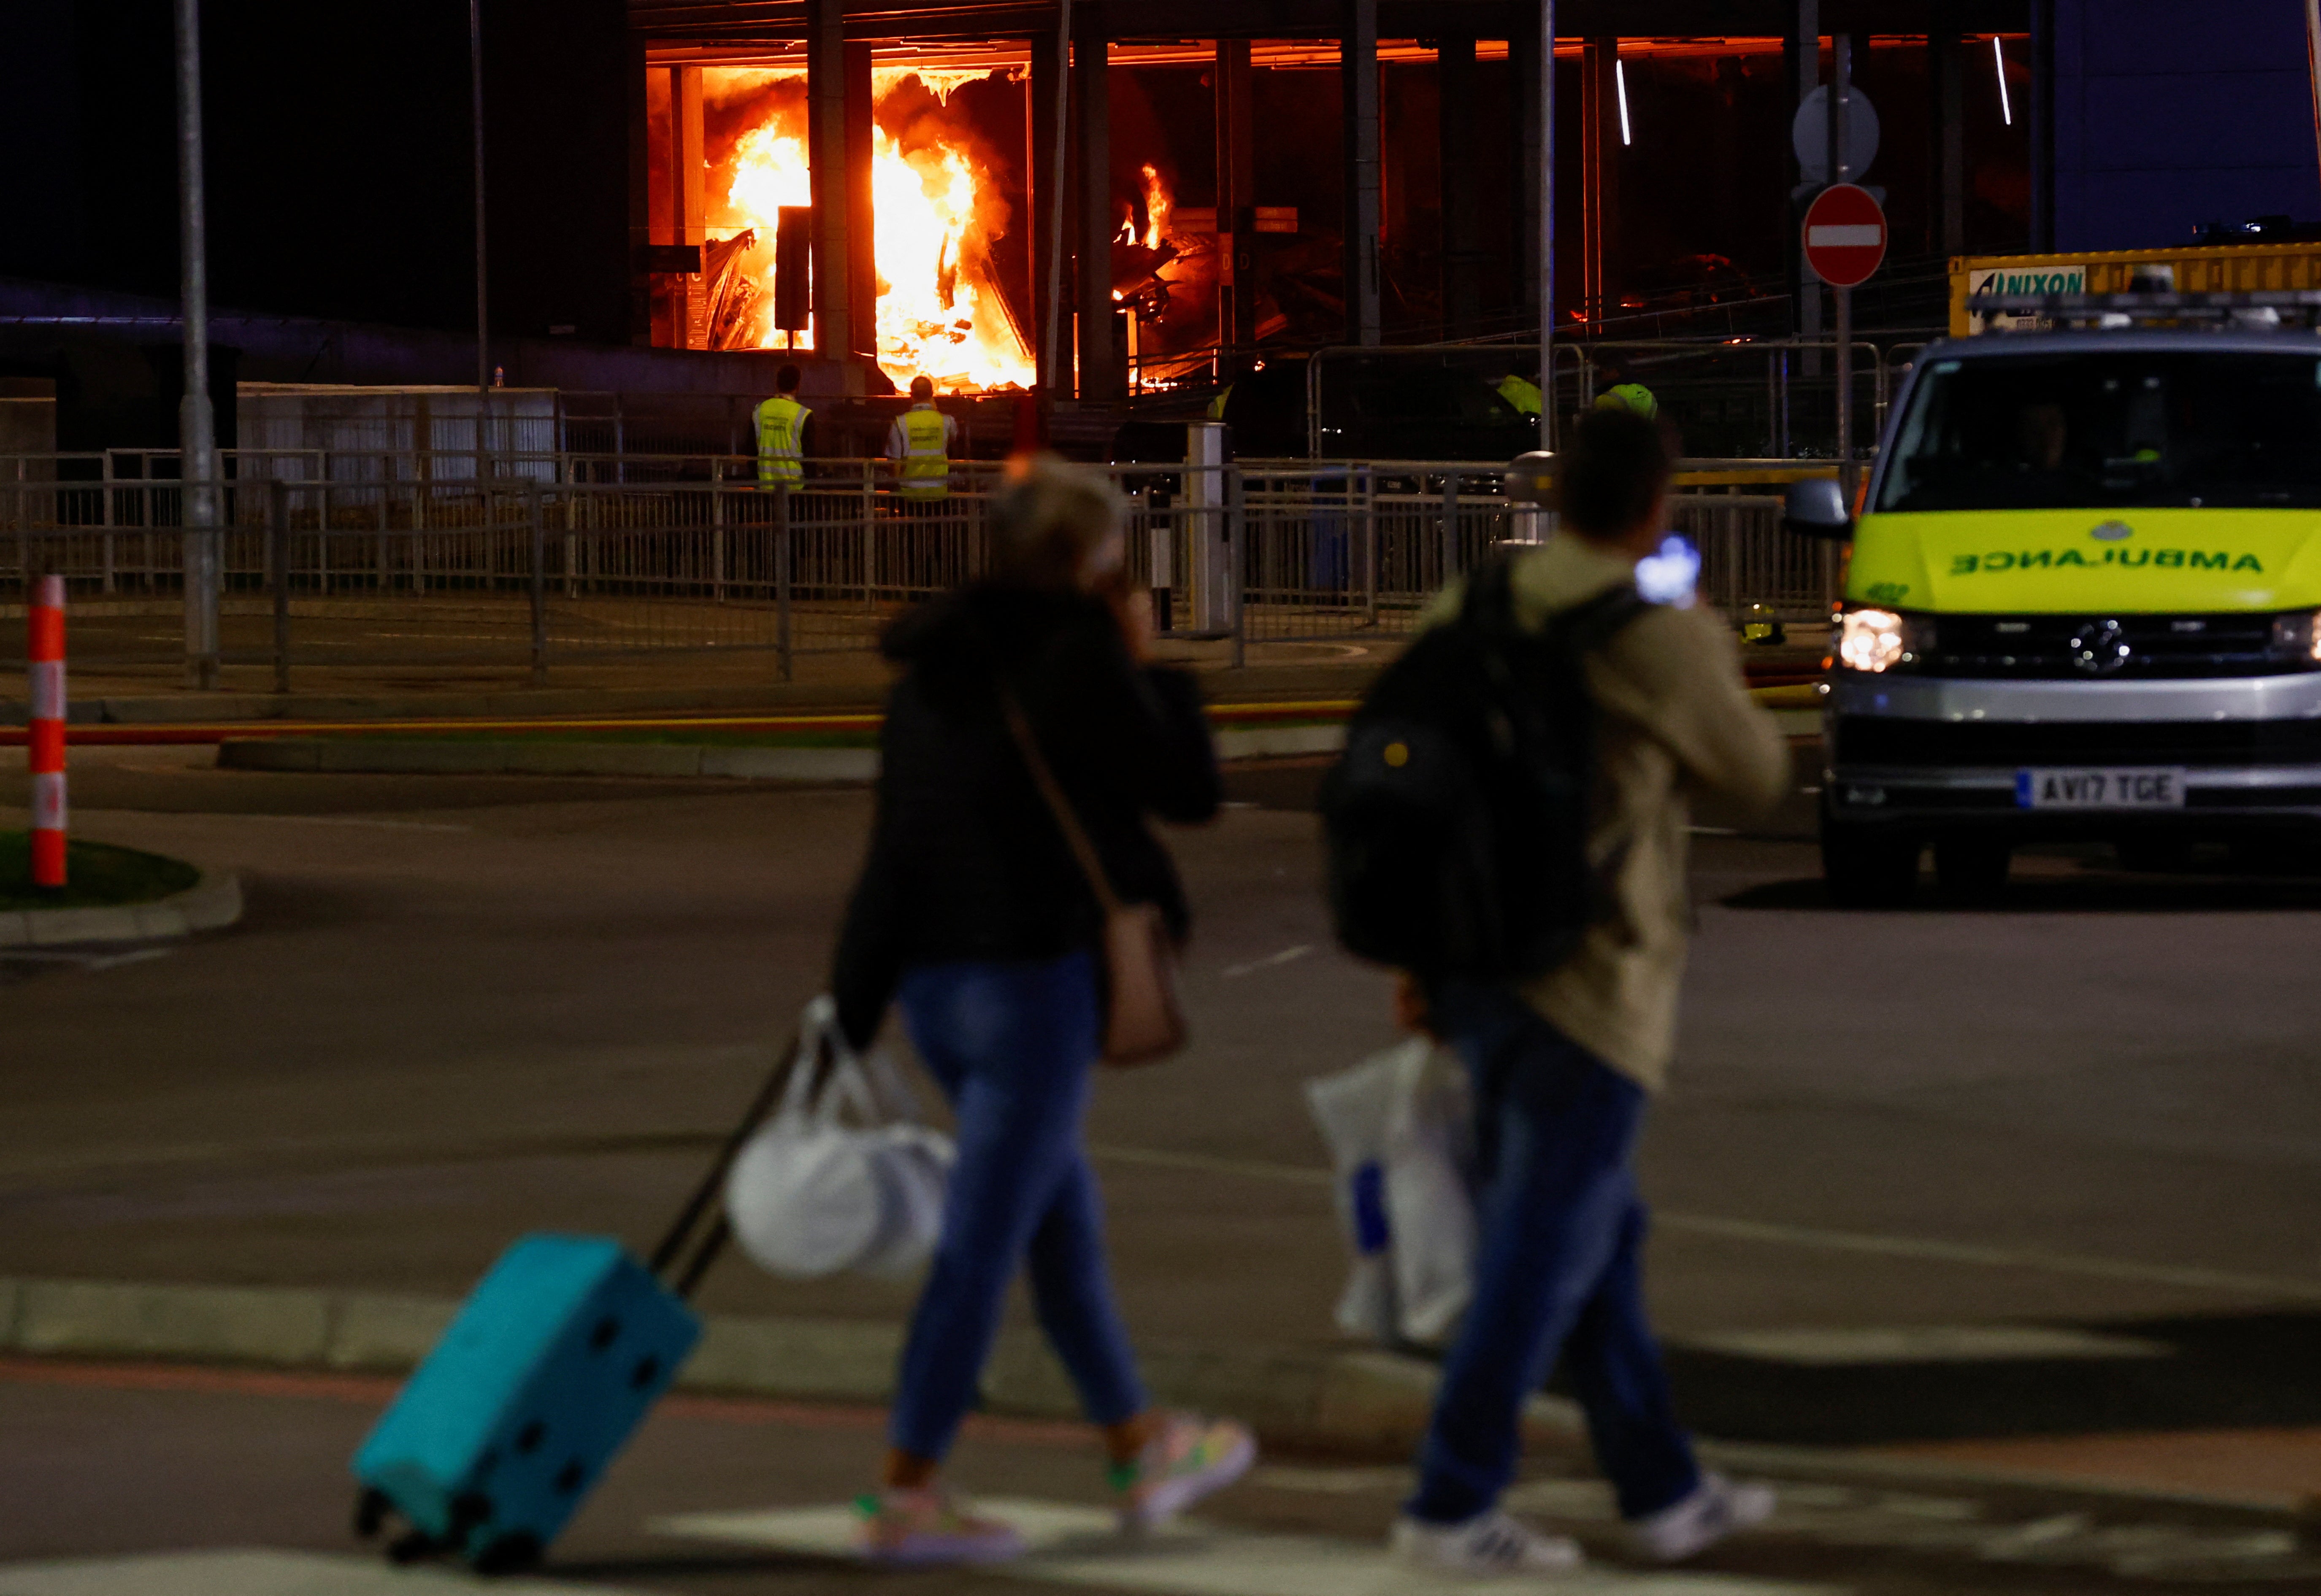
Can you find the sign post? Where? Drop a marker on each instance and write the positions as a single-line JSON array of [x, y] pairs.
[[1844, 242]]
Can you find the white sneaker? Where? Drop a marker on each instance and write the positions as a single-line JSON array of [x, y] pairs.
[[1489, 1544], [1714, 1510], [929, 1526]]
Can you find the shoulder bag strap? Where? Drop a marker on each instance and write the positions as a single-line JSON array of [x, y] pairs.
[[1075, 835], [1590, 623]]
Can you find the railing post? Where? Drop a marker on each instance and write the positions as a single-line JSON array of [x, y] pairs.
[[1451, 551], [1236, 527], [539, 528], [870, 535], [105, 519], [1369, 547], [278, 564], [717, 530], [782, 576]]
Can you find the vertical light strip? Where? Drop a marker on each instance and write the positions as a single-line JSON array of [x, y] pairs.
[[1620, 82], [1999, 61]]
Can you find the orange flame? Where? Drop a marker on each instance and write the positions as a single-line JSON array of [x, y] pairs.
[[938, 316], [1159, 204]]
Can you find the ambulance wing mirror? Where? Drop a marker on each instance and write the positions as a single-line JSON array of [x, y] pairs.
[[1815, 508]]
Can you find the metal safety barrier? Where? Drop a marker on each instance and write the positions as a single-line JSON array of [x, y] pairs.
[[378, 561]]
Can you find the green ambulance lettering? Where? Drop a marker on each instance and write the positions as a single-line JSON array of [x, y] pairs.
[[2037, 559]]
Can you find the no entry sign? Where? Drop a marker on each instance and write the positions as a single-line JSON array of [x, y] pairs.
[[1846, 235]]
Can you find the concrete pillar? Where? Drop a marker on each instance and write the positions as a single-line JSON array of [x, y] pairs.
[[1946, 87], [687, 189], [1100, 374], [1234, 90], [1524, 60], [825, 94], [1040, 125], [1600, 176], [2042, 126], [1462, 255], [1804, 76], [640, 195], [861, 233], [1359, 54]]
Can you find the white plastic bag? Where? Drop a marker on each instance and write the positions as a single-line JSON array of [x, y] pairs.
[[813, 1193], [1400, 1130]]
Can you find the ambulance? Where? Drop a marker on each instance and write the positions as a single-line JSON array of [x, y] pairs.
[[2083, 596]]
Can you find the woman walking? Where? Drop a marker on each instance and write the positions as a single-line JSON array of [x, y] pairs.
[[974, 917]]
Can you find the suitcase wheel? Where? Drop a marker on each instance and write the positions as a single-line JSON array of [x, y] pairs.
[[511, 1554], [370, 1513], [410, 1548]]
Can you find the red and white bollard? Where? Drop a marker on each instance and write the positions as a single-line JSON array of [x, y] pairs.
[[45, 652]]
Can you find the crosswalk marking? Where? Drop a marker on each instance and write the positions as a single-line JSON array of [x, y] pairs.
[[258, 1573], [1079, 1546]]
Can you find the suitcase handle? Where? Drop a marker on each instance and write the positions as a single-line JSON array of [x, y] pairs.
[[673, 1244]]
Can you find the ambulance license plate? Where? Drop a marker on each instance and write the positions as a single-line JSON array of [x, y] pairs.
[[2155, 786]]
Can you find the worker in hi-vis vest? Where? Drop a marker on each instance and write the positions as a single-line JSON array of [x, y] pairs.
[[919, 443], [1522, 393], [1616, 391], [781, 433]]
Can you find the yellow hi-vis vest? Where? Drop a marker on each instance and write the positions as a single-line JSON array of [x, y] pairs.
[[781, 442], [926, 453], [1524, 397]]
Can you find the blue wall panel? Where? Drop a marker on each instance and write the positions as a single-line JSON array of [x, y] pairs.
[[2171, 114]]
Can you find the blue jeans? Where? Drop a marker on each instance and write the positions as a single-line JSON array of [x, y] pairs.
[[1013, 1046], [1558, 1270]]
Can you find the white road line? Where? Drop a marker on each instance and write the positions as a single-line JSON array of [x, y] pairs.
[[254, 1572], [348, 819], [1286, 956], [2227, 1282], [1079, 1546], [1924, 1344]]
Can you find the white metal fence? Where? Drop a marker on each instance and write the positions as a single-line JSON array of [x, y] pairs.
[[414, 557]]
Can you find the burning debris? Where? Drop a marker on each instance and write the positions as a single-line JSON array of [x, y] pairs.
[[936, 208]]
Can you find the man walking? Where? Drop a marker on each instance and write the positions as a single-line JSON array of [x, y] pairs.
[[1564, 1063], [781, 433]]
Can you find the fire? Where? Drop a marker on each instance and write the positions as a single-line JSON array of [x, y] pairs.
[[1158, 205], [935, 222]]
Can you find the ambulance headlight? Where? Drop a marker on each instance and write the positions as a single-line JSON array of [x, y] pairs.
[[2297, 638], [1875, 640]]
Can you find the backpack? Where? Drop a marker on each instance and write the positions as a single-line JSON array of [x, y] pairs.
[[1457, 818]]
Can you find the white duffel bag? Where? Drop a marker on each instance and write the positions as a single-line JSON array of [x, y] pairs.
[[844, 1175]]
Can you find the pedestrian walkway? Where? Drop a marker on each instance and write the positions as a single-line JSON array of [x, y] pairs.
[[258, 1572], [1082, 1547]]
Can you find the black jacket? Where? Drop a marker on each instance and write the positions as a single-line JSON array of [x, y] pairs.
[[966, 861]]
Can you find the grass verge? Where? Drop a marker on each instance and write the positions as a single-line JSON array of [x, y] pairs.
[[98, 875]]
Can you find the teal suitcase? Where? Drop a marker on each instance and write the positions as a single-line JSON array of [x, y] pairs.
[[553, 1362]]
